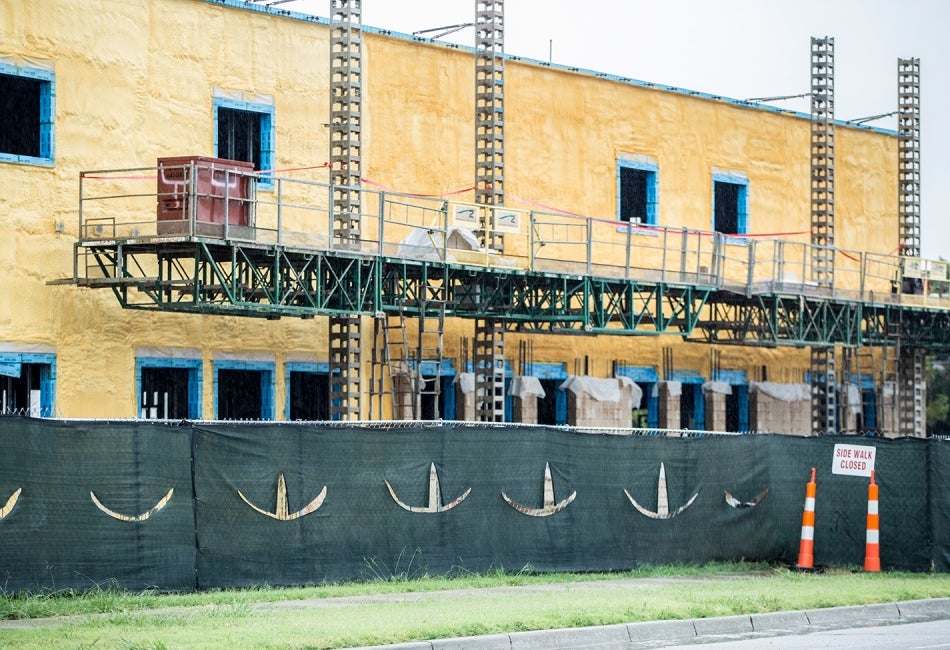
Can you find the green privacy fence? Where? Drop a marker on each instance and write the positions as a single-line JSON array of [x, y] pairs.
[[196, 506]]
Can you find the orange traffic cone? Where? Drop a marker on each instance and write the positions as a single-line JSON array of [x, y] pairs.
[[872, 546], [806, 548]]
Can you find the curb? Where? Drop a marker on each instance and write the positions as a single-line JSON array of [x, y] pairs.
[[627, 636]]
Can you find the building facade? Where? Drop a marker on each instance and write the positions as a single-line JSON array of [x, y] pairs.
[[120, 84]]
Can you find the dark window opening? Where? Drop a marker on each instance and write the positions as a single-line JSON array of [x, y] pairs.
[[22, 394], [164, 393], [239, 394], [641, 416], [728, 208], [431, 408], [732, 410], [688, 408], [239, 136], [547, 405], [20, 115], [634, 195], [309, 396]]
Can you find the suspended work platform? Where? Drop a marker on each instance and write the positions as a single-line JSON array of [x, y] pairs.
[[230, 249]]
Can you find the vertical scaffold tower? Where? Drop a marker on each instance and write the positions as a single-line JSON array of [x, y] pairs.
[[345, 174], [489, 343], [908, 150], [911, 397], [823, 372], [489, 114]]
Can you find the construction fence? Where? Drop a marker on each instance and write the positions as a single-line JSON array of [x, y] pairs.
[[191, 505]]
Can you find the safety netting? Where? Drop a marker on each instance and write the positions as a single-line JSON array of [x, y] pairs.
[[207, 505]]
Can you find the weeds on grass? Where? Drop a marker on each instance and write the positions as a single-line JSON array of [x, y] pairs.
[[403, 569]]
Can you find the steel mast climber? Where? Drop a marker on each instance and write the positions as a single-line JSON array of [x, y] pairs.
[[911, 418], [489, 343], [822, 367], [345, 341]]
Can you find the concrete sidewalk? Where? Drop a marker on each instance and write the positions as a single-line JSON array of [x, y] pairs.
[[657, 634]]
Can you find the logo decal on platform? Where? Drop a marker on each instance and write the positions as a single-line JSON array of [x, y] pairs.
[[662, 500], [549, 507], [740, 505], [435, 495], [134, 519], [282, 512], [11, 502]]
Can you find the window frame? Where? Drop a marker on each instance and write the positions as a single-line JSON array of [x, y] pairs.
[[195, 368], [268, 385], [642, 164], [742, 201], [316, 368], [265, 113], [47, 377], [556, 372], [47, 79]]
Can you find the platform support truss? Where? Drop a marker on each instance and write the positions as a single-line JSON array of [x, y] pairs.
[[489, 360], [345, 175], [489, 115], [908, 149], [912, 415], [823, 375]]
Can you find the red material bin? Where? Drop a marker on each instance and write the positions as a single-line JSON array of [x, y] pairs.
[[217, 192]]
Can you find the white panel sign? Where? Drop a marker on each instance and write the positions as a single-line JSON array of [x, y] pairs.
[[464, 216], [854, 460], [507, 220]]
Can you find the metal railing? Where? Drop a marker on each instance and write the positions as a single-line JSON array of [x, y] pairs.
[[138, 205]]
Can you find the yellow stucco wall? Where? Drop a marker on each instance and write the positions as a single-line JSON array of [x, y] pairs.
[[135, 81]]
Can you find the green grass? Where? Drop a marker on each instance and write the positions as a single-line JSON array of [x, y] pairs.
[[394, 610]]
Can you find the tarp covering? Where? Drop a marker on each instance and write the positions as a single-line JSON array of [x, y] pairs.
[[466, 382], [289, 503], [720, 387], [601, 389], [782, 392], [525, 385]]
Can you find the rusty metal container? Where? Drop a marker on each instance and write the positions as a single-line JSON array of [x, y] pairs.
[[209, 192]]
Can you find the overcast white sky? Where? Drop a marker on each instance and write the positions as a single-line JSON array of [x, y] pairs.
[[735, 48]]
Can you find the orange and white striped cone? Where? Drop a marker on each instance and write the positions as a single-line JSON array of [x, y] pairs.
[[872, 546], [806, 547]]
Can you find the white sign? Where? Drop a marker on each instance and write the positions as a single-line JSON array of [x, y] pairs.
[[507, 220], [854, 460], [464, 216]]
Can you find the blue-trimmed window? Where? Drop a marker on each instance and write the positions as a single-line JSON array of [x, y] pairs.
[[645, 377], [445, 408], [730, 206], [637, 191], [245, 131], [28, 383], [243, 390], [737, 403], [27, 109], [552, 408], [692, 401], [168, 389], [308, 390]]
